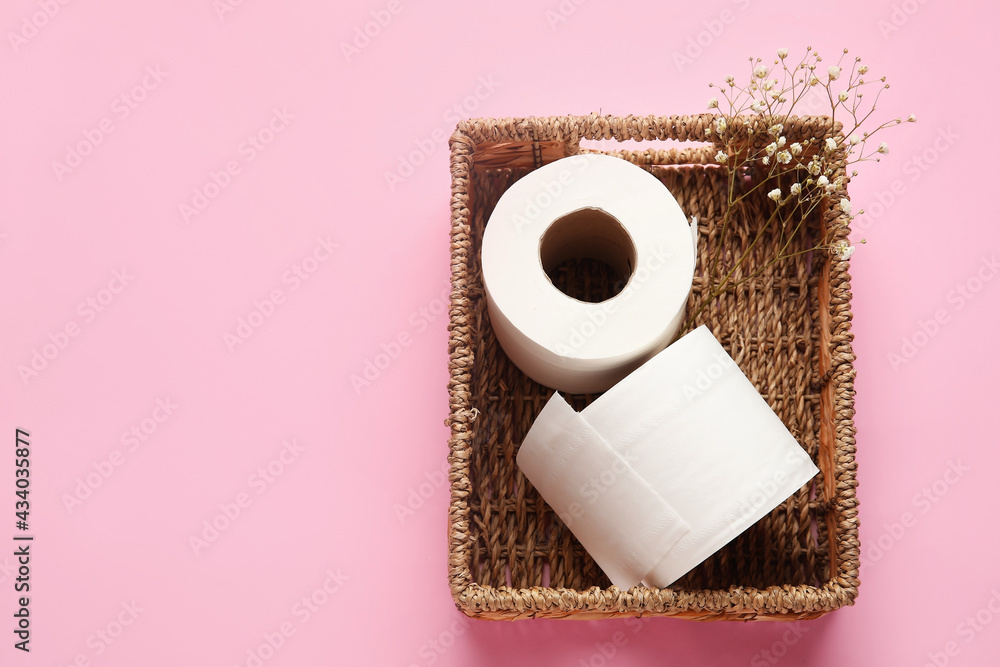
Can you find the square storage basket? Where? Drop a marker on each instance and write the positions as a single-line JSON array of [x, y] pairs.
[[788, 329]]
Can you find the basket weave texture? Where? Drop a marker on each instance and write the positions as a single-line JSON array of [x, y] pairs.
[[510, 557]]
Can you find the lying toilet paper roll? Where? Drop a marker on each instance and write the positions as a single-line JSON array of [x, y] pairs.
[[595, 206], [693, 428], [566, 454]]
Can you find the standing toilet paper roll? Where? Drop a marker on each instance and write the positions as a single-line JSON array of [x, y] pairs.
[[695, 430], [594, 206]]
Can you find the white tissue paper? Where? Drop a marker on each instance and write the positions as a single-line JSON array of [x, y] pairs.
[[667, 466], [595, 206]]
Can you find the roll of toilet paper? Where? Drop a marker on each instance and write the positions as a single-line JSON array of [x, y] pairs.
[[614, 513], [697, 433], [595, 206]]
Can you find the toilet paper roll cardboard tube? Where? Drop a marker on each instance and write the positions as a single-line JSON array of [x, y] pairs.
[[588, 232]]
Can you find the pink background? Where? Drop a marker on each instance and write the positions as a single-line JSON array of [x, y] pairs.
[[318, 175]]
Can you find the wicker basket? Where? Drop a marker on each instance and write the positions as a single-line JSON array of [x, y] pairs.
[[510, 557]]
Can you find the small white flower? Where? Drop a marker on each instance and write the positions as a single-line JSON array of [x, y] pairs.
[[822, 181], [796, 148], [831, 145], [775, 129], [854, 140], [713, 103], [796, 188], [770, 148], [721, 157], [834, 73], [720, 124], [784, 157], [814, 167], [842, 96], [766, 160], [768, 85], [757, 106], [775, 194], [760, 72], [863, 69], [708, 131], [781, 142], [844, 250], [883, 148], [730, 80], [782, 53], [813, 81], [838, 182], [912, 118], [845, 206]]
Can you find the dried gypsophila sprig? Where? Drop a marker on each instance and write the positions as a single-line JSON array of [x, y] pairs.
[[751, 135]]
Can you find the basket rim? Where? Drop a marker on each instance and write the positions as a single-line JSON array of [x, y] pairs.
[[548, 137]]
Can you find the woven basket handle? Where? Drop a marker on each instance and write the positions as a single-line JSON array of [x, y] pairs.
[[649, 128], [534, 141]]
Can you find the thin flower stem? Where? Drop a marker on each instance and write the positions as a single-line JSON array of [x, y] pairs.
[[759, 113]]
